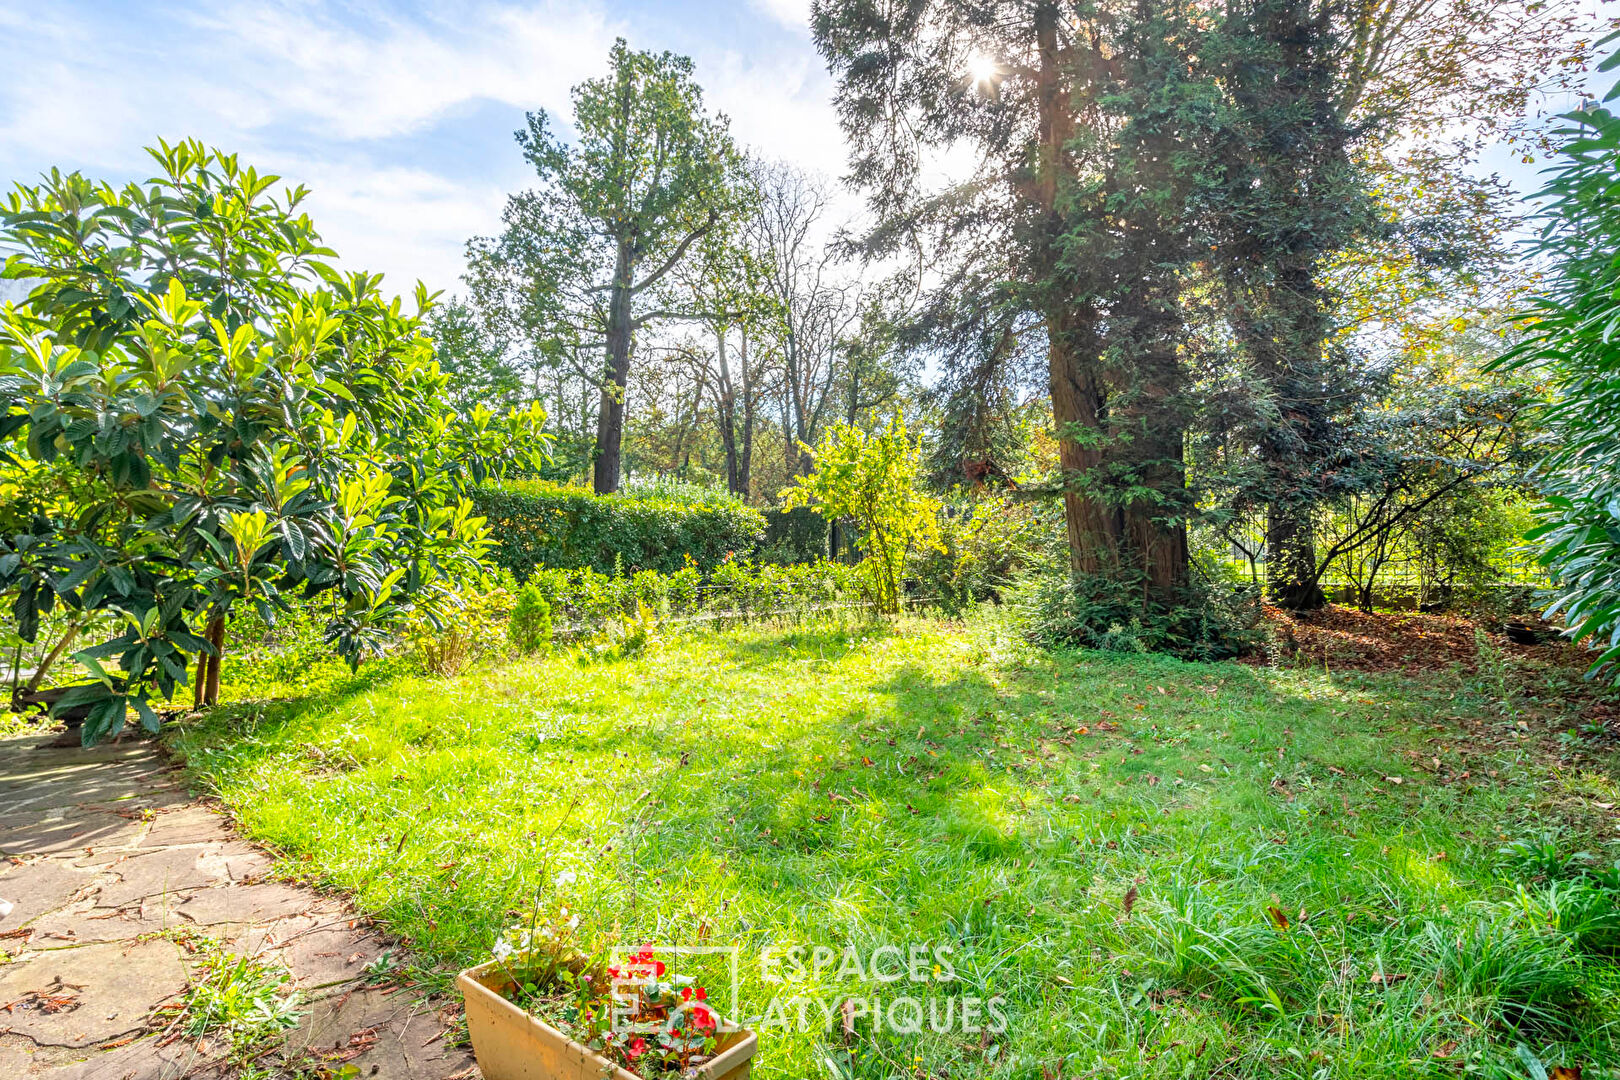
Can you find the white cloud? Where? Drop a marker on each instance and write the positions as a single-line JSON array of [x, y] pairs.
[[316, 92], [392, 76], [779, 105], [405, 223], [791, 13]]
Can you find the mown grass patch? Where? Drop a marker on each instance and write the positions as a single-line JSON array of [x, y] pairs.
[[1162, 868]]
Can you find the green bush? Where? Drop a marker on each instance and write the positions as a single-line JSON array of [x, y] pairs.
[[530, 627], [1570, 344], [1056, 608], [983, 544], [461, 627], [737, 590], [664, 527], [798, 535]]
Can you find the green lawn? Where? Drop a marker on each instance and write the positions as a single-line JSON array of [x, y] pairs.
[[927, 783]]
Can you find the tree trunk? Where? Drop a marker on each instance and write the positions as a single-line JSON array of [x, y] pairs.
[[610, 417], [51, 657], [216, 638], [746, 458], [1094, 528], [726, 399], [1291, 558], [1152, 420], [1078, 402], [200, 683]]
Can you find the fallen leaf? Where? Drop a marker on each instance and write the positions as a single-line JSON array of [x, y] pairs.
[[1380, 978], [1279, 918]]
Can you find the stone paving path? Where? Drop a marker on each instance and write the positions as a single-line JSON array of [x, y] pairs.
[[115, 874]]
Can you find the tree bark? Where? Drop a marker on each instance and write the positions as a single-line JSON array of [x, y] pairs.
[[1078, 402], [745, 461], [1094, 528], [51, 657], [216, 638], [726, 399], [1291, 558], [610, 416]]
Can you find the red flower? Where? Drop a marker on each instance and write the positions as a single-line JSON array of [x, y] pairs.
[[703, 1017], [658, 968], [686, 993], [637, 1047], [702, 994]]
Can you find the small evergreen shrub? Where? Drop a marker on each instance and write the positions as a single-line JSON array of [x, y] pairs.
[[463, 627], [530, 627]]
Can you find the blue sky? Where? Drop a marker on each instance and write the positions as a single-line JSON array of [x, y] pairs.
[[398, 115]]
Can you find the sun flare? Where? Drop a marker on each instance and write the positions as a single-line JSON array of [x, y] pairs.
[[983, 70]]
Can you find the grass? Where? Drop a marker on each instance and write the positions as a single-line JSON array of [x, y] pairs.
[[242, 1001], [1159, 869]]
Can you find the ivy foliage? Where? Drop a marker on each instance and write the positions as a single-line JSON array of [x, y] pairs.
[[662, 527], [201, 413]]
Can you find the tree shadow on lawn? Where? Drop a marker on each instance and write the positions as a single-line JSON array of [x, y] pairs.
[[910, 811]]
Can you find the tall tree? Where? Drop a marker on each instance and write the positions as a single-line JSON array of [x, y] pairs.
[[814, 306], [1080, 115], [726, 282], [580, 265], [1317, 94], [478, 364], [1288, 198]]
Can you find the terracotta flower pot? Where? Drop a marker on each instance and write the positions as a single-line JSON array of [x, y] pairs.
[[511, 1044]]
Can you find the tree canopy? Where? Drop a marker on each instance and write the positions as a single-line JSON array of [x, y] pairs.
[[586, 258]]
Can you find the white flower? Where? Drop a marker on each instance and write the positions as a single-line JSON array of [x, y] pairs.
[[573, 923], [503, 949], [566, 878]]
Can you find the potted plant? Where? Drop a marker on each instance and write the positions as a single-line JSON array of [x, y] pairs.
[[548, 1006]]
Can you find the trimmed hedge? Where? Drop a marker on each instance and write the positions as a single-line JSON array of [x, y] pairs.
[[794, 536], [540, 524]]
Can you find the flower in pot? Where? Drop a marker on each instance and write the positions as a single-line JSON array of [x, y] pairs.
[[548, 1005]]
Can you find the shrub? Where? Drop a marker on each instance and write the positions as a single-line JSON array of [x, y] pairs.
[[461, 627], [530, 628], [1570, 344], [666, 528], [1057, 608], [873, 478], [798, 535], [737, 589], [983, 543]]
